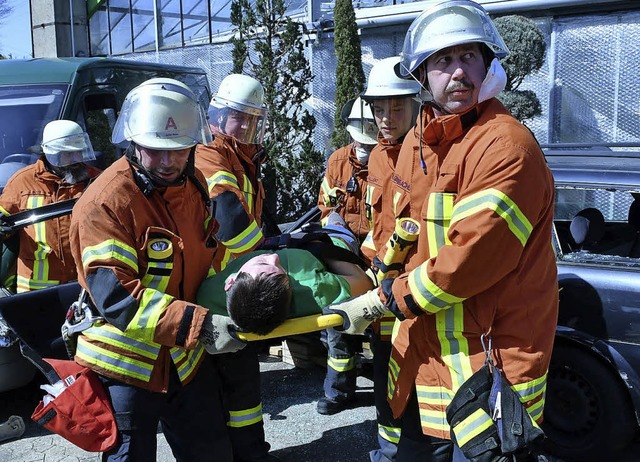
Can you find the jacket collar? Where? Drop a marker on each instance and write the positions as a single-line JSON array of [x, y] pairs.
[[447, 128]]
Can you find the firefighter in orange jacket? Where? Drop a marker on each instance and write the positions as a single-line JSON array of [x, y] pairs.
[[232, 162], [394, 108], [342, 191], [143, 240], [231, 165], [61, 173], [483, 268], [345, 180]]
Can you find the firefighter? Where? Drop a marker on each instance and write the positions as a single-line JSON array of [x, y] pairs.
[[143, 240], [481, 282], [394, 106], [232, 165], [342, 192], [61, 173], [232, 162], [345, 178]]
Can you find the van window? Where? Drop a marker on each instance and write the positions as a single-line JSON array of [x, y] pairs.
[[28, 108], [100, 117]]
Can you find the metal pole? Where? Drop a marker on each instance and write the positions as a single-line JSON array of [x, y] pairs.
[[73, 44]]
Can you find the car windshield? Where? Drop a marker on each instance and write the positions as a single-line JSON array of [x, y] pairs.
[[27, 108], [597, 223]]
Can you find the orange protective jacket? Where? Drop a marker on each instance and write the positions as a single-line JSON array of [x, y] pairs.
[[233, 180], [379, 197], [44, 259], [343, 165], [142, 259], [483, 263]]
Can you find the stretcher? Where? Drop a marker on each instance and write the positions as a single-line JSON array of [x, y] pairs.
[[295, 326], [36, 318]]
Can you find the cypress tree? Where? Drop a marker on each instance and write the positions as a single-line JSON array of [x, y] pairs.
[[350, 77]]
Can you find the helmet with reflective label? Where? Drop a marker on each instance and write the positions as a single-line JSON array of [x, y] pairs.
[[359, 122], [383, 81], [446, 24], [238, 109], [161, 114], [65, 143]]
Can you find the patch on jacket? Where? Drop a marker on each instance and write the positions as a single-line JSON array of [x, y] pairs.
[[159, 249], [401, 183]]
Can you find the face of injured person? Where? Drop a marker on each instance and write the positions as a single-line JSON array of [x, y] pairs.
[[266, 263]]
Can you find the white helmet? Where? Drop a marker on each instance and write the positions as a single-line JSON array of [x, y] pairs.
[[447, 24], [244, 95], [384, 83], [65, 143], [161, 114], [359, 122]]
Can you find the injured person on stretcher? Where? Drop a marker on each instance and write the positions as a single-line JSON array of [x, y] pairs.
[[262, 289]]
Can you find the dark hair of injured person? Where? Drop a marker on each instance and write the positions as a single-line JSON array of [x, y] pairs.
[[259, 304]]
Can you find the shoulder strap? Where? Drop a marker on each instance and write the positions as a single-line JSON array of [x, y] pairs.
[[317, 242]]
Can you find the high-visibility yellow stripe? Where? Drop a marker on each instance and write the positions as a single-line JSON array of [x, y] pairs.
[[434, 396], [436, 419], [392, 376], [391, 434], [222, 178], [246, 240], [341, 364], [26, 285], [110, 249], [439, 210], [500, 203], [472, 426], [110, 335], [151, 306], [40, 270], [249, 193], [115, 362], [454, 347], [157, 281], [428, 295], [191, 360], [245, 417]]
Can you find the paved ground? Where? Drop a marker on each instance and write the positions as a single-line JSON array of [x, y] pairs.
[[296, 432]]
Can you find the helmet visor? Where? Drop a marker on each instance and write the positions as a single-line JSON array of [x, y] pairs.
[[245, 127], [69, 150], [162, 118]]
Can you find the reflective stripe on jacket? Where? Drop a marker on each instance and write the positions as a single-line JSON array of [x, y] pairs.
[[44, 259], [229, 167], [343, 165], [143, 259], [483, 262]]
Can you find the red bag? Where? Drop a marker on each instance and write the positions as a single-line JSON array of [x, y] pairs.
[[81, 413]]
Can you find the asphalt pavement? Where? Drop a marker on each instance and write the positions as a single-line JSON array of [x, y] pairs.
[[292, 425]]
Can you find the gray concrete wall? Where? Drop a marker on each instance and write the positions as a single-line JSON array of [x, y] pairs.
[[52, 33]]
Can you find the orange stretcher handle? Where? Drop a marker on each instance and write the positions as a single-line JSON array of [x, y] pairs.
[[295, 326]]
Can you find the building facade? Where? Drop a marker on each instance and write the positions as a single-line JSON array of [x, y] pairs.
[[587, 86]]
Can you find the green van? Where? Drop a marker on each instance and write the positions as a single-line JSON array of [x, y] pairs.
[[89, 91]]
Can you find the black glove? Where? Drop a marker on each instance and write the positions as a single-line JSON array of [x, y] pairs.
[[217, 337], [358, 312]]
